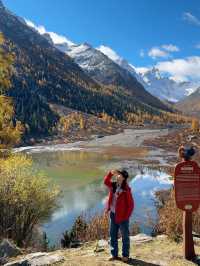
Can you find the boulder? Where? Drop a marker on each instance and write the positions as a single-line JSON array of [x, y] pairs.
[[8, 249], [141, 238], [37, 259], [101, 245], [161, 237]]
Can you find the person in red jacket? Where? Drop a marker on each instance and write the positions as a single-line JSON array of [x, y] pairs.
[[120, 205]]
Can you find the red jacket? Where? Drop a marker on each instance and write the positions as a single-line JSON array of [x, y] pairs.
[[124, 203]]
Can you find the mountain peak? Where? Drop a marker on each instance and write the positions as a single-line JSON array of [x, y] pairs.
[[86, 44], [110, 53]]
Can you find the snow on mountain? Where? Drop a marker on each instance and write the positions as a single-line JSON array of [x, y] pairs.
[[117, 59], [166, 88], [92, 59], [152, 80], [85, 56], [52, 37], [156, 84]]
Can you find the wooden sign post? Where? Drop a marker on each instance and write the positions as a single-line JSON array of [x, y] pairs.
[[187, 196]]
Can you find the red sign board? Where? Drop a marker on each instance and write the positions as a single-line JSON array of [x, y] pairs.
[[187, 185]]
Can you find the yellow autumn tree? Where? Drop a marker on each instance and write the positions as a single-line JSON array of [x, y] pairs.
[[195, 125], [6, 61], [27, 198], [10, 132], [82, 122]]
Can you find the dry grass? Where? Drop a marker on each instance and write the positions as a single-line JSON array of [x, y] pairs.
[[157, 252], [170, 217]]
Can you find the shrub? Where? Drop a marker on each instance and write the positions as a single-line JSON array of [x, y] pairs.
[[98, 227], [26, 199], [79, 229], [170, 218], [87, 229], [66, 240]]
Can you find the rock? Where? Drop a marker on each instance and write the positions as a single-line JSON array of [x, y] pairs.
[[8, 249], [161, 237], [37, 259], [75, 244], [141, 238], [191, 137], [3, 261], [101, 245], [32, 141]]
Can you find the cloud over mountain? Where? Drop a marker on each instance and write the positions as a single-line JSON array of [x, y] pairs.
[[162, 51], [182, 69], [57, 39]]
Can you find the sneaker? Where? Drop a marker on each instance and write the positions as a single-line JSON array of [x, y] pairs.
[[125, 259]]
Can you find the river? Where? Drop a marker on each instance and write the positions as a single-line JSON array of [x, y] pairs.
[[78, 170]]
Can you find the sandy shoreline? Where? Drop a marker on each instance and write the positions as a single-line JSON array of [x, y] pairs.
[[129, 138], [128, 145]]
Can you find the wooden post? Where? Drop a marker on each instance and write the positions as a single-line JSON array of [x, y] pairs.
[[188, 243]]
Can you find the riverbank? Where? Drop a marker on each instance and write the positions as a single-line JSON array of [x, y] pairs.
[[137, 145], [145, 251], [172, 141]]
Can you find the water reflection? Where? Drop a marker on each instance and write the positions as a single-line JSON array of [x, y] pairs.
[[79, 174]]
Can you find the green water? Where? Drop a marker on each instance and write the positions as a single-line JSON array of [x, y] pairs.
[[79, 175], [71, 169]]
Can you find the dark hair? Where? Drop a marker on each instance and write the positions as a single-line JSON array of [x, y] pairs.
[[125, 175], [186, 153]]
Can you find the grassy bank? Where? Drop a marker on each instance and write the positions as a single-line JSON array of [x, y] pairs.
[[159, 251], [156, 252]]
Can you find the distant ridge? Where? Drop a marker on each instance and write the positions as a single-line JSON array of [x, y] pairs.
[[43, 75]]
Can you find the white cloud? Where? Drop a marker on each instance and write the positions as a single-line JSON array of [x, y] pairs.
[[170, 48], [57, 39], [182, 69], [142, 70], [109, 53], [162, 51], [155, 52], [191, 18]]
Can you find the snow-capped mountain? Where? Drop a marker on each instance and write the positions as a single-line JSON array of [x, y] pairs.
[[108, 72], [164, 87], [154, 82], [107, 67], [117, 59]]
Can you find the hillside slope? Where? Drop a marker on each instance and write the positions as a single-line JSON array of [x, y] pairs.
[[104, 70], [43, 75], [191, 104]]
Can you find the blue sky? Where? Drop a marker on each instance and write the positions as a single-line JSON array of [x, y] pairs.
[[145, 32]]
